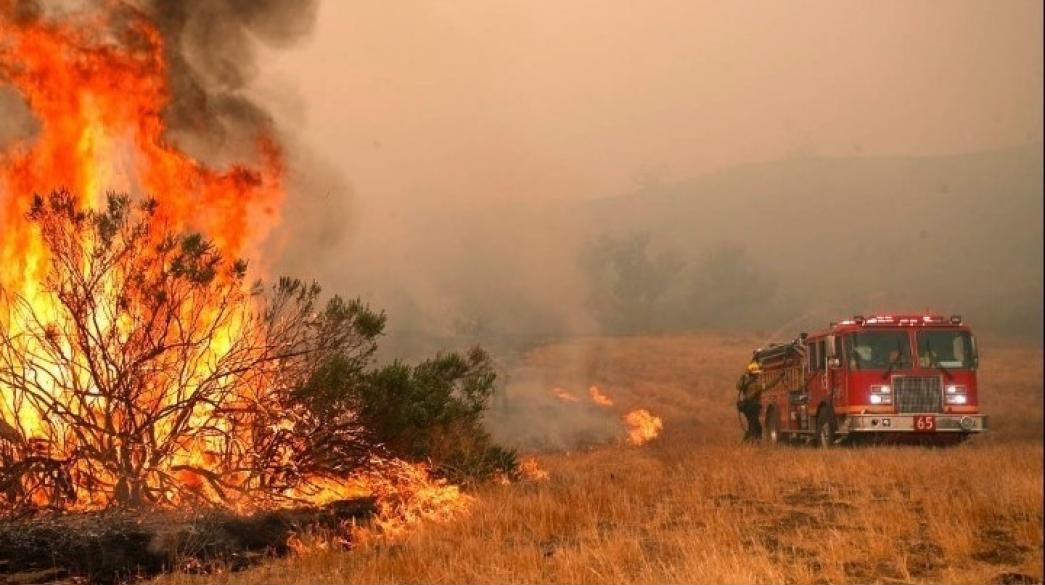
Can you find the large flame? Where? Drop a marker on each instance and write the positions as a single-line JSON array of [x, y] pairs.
[[97, 84], [99, 105], [97, 89]]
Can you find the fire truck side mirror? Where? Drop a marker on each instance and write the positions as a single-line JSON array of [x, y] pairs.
[[829, 345]]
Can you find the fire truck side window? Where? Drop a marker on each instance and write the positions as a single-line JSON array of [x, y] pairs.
[[812, 357], [821, 354]]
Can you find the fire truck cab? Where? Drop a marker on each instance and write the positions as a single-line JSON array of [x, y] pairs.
[[890, 376]]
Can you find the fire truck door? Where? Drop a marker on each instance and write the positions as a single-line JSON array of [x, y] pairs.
[[810, 380], [833, 374]]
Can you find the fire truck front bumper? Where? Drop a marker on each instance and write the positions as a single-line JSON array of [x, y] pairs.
[[914, 423]]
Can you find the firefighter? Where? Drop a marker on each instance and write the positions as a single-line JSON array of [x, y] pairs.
[[749, 390]]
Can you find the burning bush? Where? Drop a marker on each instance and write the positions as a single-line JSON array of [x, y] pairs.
[[138, 366], [145, 369]]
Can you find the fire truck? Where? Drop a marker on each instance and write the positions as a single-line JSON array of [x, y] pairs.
[[883, 376]]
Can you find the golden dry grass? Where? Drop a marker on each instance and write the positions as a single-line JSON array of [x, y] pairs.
[[696, 507]]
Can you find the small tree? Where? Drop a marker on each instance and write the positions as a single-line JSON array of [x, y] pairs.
[[628, 283], [728, 290], [146, 369]]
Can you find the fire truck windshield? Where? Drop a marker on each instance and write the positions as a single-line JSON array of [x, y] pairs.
[[878, 350], [947, 349]]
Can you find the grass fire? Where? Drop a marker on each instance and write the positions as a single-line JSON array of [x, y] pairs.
[[320, 291]]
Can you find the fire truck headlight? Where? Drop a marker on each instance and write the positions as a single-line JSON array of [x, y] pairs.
[[956, 399], [881, 394], [956, 389]]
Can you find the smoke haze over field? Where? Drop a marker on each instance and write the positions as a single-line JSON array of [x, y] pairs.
[[477, 134], [458, 162]]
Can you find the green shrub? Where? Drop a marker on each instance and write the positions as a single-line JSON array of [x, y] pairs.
[[433, 411]]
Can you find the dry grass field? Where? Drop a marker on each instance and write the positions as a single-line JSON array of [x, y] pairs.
[[694, 506]]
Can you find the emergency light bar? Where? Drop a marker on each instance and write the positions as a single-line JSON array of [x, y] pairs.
[[903, 320]]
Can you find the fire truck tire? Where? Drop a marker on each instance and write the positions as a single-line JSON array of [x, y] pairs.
[[771, 427], [826, 427]]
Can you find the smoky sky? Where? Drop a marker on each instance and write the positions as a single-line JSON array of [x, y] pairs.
[[212, 50], [473, 99], [471, 131], [441, 155]]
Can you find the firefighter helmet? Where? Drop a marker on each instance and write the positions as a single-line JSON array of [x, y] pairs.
[[754, 368]]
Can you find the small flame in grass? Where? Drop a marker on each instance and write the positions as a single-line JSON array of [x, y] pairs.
[[408, 494], [599, 398], [530, 469], [564, 395], [642, 426], [316, 542]]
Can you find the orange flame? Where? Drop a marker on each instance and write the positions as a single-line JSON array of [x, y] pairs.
[[642, 426], [564, 395], [98, 93], [599, 398], [99, 108], [530, 469], [98, 97], [408, 494]]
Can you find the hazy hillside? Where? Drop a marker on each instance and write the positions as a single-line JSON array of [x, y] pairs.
[[958, 233], [828, 237]]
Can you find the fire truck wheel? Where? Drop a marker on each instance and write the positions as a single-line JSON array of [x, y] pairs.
[[825, 428], [771, 428]]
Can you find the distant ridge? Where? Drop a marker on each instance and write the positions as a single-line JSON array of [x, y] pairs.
[[958, 232]]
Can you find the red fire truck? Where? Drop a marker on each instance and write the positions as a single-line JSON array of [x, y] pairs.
[[887, 376]]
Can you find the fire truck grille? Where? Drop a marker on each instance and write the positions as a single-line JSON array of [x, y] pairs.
[[917, 394]]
